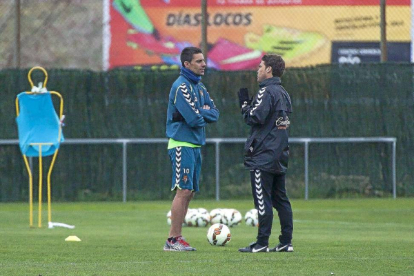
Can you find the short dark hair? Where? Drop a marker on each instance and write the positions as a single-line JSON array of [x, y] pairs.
[[188, 52], [276, 62]]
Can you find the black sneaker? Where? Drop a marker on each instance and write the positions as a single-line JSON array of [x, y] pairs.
[[254, 248], [282, 247]]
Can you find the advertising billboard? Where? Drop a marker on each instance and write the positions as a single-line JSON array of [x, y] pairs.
[[304, 32]]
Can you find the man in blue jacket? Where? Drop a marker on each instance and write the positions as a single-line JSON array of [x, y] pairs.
[[190, 108], [267, 153]]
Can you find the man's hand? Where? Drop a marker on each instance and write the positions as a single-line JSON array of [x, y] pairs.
[[244, 97], [207, 107], [177, 117]]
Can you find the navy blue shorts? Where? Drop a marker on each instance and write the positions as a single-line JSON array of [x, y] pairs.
[[186, 168]]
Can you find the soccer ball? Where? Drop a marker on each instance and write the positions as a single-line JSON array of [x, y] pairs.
[[216, 216], [169, 217], [232, 217], [224, 218], [197, 217], [202, 211], [202, 220], [218, 234], [251, 218], [191, 217], [188, 218]]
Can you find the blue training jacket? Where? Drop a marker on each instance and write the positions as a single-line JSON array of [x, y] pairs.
[[188, 97]]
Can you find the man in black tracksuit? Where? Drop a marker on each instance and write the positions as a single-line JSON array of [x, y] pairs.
[[267, 153]]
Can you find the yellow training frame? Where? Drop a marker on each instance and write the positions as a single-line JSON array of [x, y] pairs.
[[49, 208]]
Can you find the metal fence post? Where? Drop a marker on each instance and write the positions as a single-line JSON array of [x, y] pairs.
[[124, 171], [394, 176], [217, 144], [306, 170]]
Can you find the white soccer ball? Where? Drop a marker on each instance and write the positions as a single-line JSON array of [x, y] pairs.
[[169, 217], [232, 217], [202, 220], [202, 211], [251, 217], [216, 216], [224, 218], [218, 234], [191, 217]]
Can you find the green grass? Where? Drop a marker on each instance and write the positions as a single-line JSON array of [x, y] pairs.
[[344, 237]]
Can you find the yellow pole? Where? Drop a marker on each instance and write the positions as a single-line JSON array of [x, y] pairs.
[[49, 192], [60, 112], [30, 73], [17, 106], [40, 186], [30, 191]]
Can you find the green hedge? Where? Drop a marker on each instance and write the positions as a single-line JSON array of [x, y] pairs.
[[328, 101]]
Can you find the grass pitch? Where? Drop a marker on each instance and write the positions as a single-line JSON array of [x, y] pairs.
[[343, 237]]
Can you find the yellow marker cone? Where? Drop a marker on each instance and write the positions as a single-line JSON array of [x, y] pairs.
[[72, 238]]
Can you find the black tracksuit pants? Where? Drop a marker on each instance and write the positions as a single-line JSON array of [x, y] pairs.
[[269, 191]]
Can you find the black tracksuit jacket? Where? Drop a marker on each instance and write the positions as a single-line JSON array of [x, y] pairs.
[[267, 147]]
